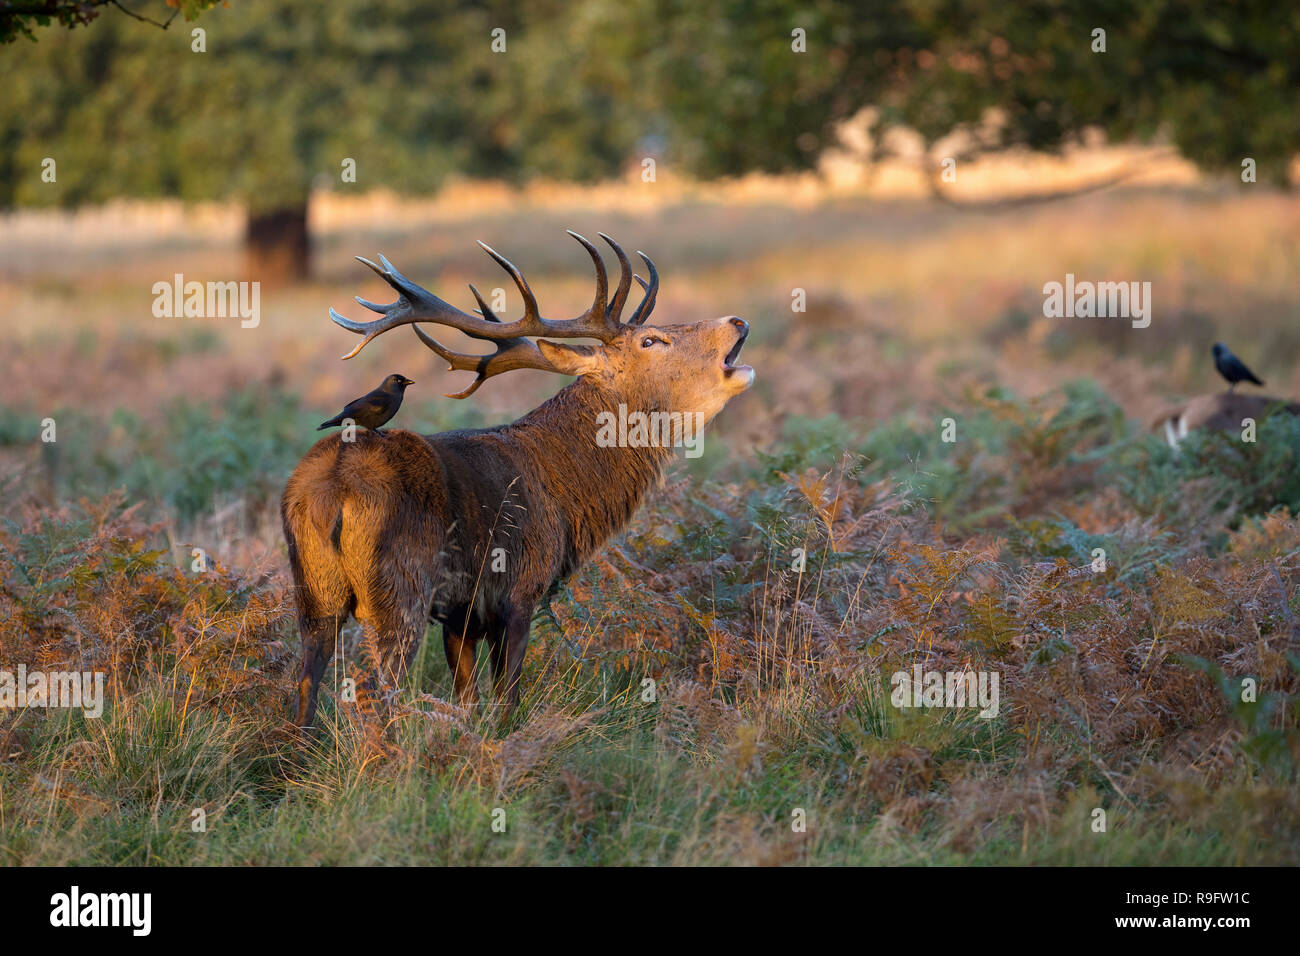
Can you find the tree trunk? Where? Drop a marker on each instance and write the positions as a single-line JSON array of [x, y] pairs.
[[277, 245]]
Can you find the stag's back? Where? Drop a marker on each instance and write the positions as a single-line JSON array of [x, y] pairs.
[[359, 517]]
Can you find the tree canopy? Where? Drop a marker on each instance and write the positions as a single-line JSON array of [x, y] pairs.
[[21, 18], [1217, 80], [260, 101]]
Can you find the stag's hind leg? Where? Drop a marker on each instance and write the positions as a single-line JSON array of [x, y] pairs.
[[320, 638], [392, 578], [324, 600], [388, 643], [394, 637]]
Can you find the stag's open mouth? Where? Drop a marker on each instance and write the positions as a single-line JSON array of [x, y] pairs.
[[728, 362]]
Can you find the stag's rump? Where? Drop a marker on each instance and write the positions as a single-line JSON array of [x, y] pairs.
[[359, 523]]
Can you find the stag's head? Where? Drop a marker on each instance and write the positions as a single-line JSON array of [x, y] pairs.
[[685, 368]]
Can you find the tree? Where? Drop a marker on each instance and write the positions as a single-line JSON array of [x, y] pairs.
[[1218, 80], [264, 101], [19, 17]]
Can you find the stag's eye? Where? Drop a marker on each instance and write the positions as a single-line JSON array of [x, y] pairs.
[[650, 340]]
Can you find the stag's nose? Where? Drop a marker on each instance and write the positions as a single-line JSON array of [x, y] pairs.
[[741, 324]]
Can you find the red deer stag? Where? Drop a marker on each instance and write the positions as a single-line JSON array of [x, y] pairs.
[[472, 528]]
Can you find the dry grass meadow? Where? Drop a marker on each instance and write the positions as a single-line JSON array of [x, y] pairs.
[[1121, 689]]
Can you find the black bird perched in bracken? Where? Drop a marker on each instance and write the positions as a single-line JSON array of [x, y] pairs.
[[374, 408], [1231, 367]]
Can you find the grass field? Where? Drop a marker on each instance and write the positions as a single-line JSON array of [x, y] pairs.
[[770, 737]]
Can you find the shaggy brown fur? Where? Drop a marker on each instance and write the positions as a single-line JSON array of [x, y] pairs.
[[399, 529]]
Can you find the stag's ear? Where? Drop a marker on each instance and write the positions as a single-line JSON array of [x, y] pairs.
[[570, 359]]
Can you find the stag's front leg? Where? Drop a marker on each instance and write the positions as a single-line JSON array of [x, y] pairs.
[[393, 610], [508, 644], [319, 640], [391, 635]]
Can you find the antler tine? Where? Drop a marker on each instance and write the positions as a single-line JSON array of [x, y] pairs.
[[624, 280], [532, 315], [452, 358], [651, 291], [388, 276], [484, 309], [599, 310], [509, 354]]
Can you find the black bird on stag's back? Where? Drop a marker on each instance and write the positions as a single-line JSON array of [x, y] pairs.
[[1231, 367], [374, 408]]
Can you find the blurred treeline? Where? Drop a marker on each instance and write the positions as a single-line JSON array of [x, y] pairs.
[[282, 92]]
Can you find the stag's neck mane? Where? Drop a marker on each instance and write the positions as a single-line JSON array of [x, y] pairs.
[[596, 489]]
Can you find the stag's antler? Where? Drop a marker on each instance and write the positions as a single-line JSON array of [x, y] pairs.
[[514, 347]]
